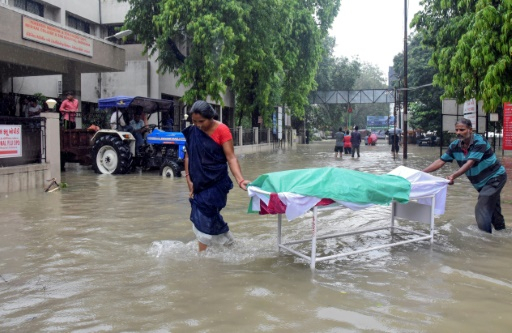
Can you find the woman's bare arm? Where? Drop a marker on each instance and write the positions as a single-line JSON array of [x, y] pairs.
[[187, 177], [234, 166]]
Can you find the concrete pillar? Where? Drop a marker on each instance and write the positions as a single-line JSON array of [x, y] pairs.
[[255, 135], [240, 136], [72, 81], [52, 132], [269, 138]]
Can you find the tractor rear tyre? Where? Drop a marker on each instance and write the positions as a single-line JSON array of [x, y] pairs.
[[111, 155], [170, 169]]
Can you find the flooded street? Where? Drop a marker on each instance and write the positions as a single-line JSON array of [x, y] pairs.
[[117, 254]]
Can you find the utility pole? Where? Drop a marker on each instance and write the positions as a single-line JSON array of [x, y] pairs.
[[405, 80]]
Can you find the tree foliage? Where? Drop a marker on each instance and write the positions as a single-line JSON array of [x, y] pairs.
[[471, 43], [424, 101], [334, 73], [371, 78], [339, 74], [266, 51]]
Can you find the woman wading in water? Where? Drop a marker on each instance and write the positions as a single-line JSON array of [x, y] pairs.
[[209, 152]]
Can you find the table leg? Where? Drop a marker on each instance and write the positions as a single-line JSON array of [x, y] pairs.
[[313, 239]]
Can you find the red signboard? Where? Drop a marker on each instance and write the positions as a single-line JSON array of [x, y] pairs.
[[507, 126]]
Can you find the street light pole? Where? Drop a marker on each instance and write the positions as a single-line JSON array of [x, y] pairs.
[[119, 35], [405, 80]]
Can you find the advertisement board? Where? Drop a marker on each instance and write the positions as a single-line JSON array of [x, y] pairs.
[[10, 141], [380, 121], [453, 112], [280, 123], [44, 33], [507, 126], [470, 110]]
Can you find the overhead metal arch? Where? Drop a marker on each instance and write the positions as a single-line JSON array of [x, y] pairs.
[[367, 96]]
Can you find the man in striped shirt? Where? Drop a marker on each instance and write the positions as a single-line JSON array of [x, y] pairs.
[[477, 160]]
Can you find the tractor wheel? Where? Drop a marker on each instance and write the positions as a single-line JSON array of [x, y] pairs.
[[170, 169], [110, 155]]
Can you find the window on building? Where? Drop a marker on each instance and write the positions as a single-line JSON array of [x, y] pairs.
[[78, 24], [30, 6]]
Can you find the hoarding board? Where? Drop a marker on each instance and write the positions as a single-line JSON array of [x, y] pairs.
[[470, 110], [44, 33], [380, 121], [453, 112], [10, 141], [507, 126]]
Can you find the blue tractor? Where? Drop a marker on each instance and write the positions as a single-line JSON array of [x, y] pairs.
[[115, 151]]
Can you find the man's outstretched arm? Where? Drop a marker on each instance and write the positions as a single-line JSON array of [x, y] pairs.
[[437, 164]]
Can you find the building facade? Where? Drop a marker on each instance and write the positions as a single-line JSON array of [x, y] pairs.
[[97, 21]]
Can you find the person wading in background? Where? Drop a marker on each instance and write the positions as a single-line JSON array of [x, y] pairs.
[[338, 146], [355, 140], [347, 146]]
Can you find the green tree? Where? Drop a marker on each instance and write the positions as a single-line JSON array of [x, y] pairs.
[[471, 48], [334, 73], [424, 100], [266, 51]]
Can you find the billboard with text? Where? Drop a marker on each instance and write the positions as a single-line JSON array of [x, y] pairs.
[[380, 121], [507, 126]]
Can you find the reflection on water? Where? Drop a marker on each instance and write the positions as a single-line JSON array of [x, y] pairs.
[[117, 254]]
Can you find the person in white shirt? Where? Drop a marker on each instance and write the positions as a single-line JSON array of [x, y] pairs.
[[118, 116]]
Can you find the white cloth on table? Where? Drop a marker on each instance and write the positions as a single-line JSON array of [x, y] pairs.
[[422, 185]]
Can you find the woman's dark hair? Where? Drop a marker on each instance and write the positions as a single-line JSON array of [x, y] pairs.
[[347, 132], [464, 121], [204, 109]]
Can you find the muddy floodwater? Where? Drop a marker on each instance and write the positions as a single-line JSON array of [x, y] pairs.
[[117, 254]]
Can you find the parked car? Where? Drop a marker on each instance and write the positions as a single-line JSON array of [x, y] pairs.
[[429, 141]]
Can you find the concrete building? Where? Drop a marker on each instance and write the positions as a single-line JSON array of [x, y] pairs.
[[53, 46], [122, 70]]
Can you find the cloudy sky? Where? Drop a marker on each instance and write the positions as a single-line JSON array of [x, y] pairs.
[[373, 30]]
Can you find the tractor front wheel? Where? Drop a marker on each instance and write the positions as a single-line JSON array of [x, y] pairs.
[[170, 169], [111, 155]]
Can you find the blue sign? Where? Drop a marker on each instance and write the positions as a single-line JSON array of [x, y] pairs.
[[380, 121], [274, 123]]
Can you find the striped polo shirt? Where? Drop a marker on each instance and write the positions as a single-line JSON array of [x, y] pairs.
[[486, 164]]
